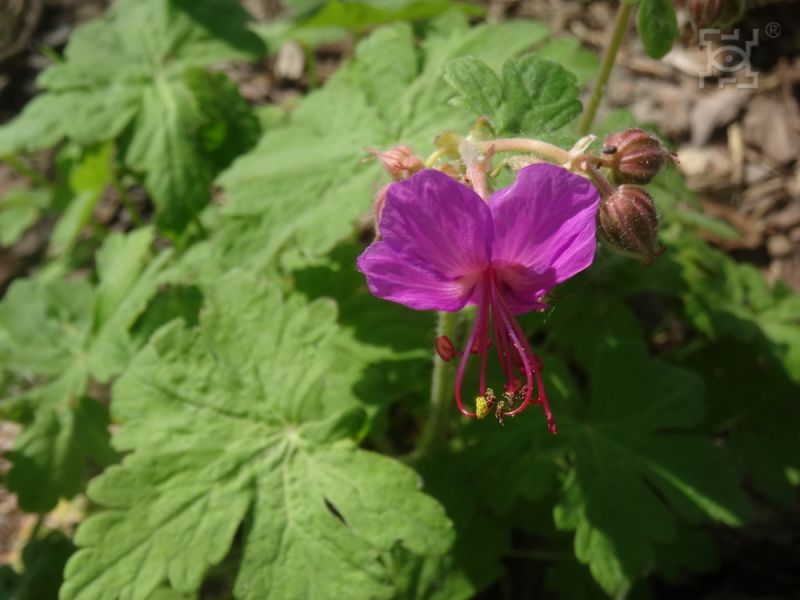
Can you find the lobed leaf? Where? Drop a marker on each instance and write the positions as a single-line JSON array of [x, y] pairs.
[[535, 96], [58, 335], [242, 422], [307, 182], [631, 460], [138, 71]]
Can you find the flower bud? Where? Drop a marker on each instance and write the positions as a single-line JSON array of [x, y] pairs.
[[634, 156], [711, 13], [629, 224], [399, 162]]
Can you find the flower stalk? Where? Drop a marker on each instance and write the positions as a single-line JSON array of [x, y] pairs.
[[599, 89], [539, 148], [435, 426]]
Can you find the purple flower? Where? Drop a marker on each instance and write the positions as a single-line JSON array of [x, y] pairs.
[[443, 247]]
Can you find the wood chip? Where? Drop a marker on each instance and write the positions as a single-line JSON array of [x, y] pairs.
[[768, 126], [290, 62], [785, 219], [779, 245], [715, 110]]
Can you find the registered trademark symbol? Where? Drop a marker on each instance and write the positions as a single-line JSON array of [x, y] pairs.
[[773, 29]]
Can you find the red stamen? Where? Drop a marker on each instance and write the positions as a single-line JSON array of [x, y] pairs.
[[477, 327], [513, 352]]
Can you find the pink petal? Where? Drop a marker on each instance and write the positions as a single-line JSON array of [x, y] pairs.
[[544, 231], [405, 280], [438, 223]]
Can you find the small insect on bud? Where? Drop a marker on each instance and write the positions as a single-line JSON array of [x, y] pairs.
[[628, 223], [445, 348], [634, 156], [711, 13], [399, 162]]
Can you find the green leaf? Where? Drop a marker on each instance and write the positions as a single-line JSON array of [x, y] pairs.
[[189, 128], [253, 429], [754, 404], [56, 335], [632, 460], [532, 472], [19, 209], [657, 25], [360, 16], [138, 71], [88, 178], [477, 84], [567, 52], [690, 551], [51, 453], [535, 97], [475, 560], [540, 97], [43, 560], [724, 298], [306, 182], [384, 349]]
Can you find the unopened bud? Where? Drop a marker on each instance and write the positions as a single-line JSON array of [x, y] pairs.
[[628, 222], [634, 156], [399, 162], [715, 13]]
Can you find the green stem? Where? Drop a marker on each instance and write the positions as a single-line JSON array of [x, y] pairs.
[[617, 35], [126, 201], [26, 171], [311, 66], [200, 227], [122, 192], [435, 427]]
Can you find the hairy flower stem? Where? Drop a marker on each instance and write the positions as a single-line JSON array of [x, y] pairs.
[[434, 430], [600, 182], [620, 26], [541, 149]]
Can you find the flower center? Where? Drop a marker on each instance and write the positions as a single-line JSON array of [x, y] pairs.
[[496, 325]]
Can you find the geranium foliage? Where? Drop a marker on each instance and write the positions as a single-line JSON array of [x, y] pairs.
[[214, 392]]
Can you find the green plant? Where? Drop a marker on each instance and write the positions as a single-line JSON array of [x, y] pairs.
[[256, 424]]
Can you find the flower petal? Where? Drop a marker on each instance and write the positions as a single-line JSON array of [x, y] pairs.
[[544, 231], [403, 279], [439, 223]]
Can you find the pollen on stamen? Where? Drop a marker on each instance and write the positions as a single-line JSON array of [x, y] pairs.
[[482, 408], [484, 403]]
